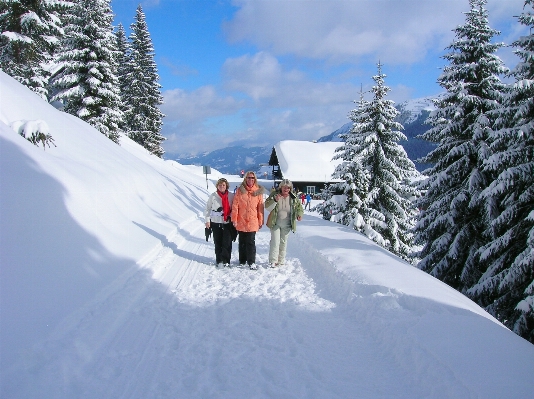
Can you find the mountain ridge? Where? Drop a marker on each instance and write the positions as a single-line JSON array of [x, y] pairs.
[[233, 159]]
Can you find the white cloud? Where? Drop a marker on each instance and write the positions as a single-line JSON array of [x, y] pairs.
[[177, 69], [258, 76], [197, 105], [308, 60], [266, 81], [150, 3], [267, 103], [188, 123], [396, 32]]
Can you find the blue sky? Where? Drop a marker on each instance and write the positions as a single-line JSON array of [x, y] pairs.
[[253, 72]]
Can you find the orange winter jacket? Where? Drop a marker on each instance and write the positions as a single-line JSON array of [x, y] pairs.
[[247, 208]]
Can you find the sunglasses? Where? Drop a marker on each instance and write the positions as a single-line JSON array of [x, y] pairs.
[[248, 177]]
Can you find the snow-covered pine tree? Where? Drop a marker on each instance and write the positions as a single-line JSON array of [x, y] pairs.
[[330, 208], [35, 131], [451, 227], [506, 289], [355, 178], [29, 35], [87, 81], [123, 63], [378, 174], [143, 96]]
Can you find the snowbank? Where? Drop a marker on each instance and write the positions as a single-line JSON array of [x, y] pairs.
[[108, 289]]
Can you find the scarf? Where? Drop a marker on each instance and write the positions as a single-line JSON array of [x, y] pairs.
[[225, 204], [254, 190]]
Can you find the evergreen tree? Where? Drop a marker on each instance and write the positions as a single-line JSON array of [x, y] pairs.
[[451, 227], [30, 31], [506, 288], [123, 63], [377, 171], [355, 178], [87, 82], [143, 96], [330, 208]]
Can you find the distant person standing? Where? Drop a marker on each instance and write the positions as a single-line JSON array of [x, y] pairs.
[[217, 217], [285, 210], [247, 217], [308, 201]]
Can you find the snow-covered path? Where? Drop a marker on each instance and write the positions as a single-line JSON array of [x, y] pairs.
[[178, 327], [181, 328]]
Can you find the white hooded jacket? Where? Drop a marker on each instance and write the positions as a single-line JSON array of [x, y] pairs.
[[214, 211]]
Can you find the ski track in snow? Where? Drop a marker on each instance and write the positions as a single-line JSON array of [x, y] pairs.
[[203, 284], [179, 327]]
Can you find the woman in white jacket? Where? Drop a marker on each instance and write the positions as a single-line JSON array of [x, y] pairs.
[[217, 217]]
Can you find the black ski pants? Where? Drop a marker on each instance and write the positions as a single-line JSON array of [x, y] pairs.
[[247, 247], [222, 238]]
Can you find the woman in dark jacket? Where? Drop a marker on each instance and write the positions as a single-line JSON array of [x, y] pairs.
[[217, 217]]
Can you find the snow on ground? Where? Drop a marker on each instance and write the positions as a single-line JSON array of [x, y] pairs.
[[108, 290]]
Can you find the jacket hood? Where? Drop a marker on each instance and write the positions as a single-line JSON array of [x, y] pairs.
[[256, 190], [291, 193]]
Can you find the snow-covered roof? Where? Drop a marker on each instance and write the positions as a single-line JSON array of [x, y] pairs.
[[306, 161]]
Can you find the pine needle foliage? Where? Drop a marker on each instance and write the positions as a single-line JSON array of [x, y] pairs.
[[506, 288], [377, 172], [123, 63], [30, 31], [451, 228], [87, 83], [142, 95]]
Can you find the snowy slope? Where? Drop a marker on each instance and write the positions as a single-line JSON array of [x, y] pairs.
[[107, 290], [410, 110]]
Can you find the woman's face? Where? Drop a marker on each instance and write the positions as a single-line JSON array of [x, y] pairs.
[[250, 180], [221, 187], [285, 190]]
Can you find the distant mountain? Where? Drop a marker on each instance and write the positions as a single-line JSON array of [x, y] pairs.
[[413, 114], [232, 160], [336, 134]]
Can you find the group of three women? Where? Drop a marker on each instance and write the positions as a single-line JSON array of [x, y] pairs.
[[243, 211]]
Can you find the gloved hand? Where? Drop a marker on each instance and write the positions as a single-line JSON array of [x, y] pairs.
[[207, 232]]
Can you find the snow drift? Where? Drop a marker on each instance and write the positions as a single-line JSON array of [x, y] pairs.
[[108, 290]]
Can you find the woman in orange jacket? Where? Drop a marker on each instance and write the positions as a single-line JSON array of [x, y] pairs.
[[247, 217]]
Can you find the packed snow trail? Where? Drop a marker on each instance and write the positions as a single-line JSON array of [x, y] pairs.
[[181, 328], [178, 327]]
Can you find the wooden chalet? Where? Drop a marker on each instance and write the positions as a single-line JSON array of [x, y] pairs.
[[307, 164]]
